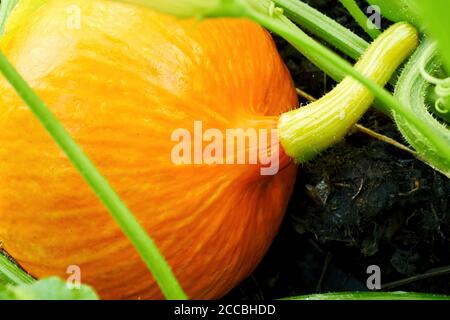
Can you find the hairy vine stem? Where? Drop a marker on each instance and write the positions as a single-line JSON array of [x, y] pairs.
[[412, 90]]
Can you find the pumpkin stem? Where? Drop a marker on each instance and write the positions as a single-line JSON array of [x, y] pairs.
[[307, 131]]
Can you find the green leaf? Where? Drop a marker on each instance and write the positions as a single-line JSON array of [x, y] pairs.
[[47, 289], [398, 10], [16, 284], [434, 15]]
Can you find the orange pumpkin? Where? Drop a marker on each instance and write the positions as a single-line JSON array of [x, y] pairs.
[[121, 82]]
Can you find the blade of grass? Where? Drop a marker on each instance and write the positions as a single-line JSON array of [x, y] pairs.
[[119, 211], [371, 296]]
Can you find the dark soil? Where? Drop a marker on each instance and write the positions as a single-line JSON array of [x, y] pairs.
[[361, 203]]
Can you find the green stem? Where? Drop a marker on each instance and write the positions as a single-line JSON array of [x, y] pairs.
[[412, 89], [324, 27], [332, 33], [305, 132], [128, 223], [323, 63], [12, 273], [371, 296], [361, 18]]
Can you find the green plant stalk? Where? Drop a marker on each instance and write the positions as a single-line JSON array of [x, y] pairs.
[[329, 31], [128, 223], [323, 27], [12, 273], [320, 62], [332, 33], [412, 90], [307, 131], [371, 296], [361, 18]]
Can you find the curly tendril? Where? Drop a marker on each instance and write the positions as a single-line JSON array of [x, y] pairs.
[[442, 86]]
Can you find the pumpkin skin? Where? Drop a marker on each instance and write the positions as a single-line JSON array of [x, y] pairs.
[[121, 84]]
